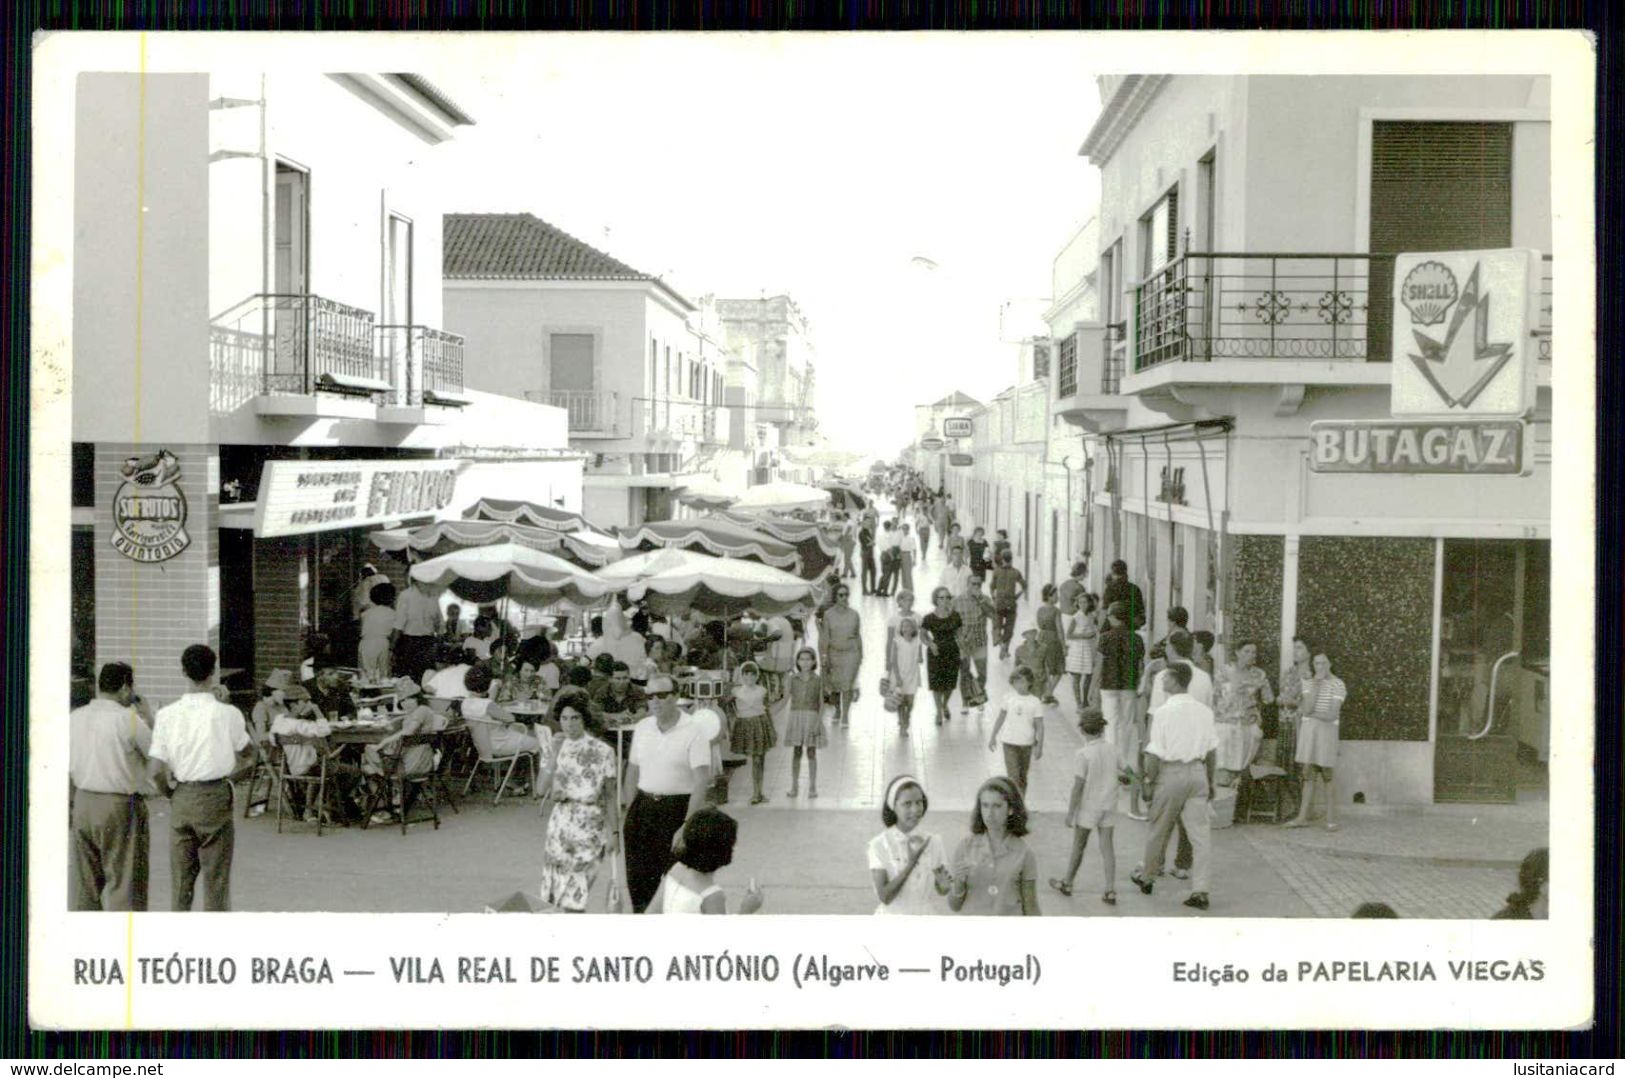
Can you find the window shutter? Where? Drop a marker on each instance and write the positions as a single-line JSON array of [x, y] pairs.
[[1173, 224], [1435, 186], [1440, 186]]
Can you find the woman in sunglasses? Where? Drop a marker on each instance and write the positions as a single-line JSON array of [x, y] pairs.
[[840, 639], [941, 628]]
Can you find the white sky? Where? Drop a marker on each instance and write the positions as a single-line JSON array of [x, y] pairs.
[[817, 165]]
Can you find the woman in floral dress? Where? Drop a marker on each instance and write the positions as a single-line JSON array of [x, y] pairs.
[[1243, 690], [579, 780]]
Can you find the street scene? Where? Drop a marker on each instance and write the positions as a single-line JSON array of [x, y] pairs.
[[460, 532]]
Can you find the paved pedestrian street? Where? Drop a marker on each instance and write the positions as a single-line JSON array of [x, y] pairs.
[[808, 854]]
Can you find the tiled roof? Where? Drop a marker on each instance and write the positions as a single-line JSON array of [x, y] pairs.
[[957, 400], [520, 245]]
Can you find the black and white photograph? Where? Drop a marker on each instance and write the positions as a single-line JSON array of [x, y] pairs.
[[784, 476]]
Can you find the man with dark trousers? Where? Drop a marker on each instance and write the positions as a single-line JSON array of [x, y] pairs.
[[198, 742], [866, 544], [108, 741]]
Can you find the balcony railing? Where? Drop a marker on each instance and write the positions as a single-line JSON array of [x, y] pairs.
[[677, 418], [1208, 306], [294, 344], [587, 409], [426, 364]]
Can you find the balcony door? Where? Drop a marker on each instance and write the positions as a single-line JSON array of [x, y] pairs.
[[1435, 186], [397, 303], [291, 262]]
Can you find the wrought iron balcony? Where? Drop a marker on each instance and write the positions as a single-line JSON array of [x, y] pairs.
[[426, 365], [294, 344], [671, 417], [589, 411], [1217, 306]]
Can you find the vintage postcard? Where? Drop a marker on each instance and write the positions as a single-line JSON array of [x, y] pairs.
[[1041, 530]]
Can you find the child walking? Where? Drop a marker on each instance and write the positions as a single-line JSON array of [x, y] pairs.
[[908, 652], [753, 732], [1094, 804], [804, 726], [1024, 738]]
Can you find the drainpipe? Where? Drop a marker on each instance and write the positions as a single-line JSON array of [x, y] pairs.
[[1066, 462]]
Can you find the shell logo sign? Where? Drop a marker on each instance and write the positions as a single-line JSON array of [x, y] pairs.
[[1463, 345]]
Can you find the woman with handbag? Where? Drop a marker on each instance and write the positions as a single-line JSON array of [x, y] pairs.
[[906, 654], [578, 781], [840, 641]]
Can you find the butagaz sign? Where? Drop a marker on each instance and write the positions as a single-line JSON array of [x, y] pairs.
[[931, 445], [960, 460], [956, 428], [1487, 447], [149, 510], [298, 496], [1463, 342]]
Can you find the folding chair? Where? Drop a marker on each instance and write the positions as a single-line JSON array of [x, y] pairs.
[[481, 731], [263, 765], [395, 777], [316, 776]]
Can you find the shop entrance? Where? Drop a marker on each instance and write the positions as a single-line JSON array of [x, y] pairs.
[[1493, 737]]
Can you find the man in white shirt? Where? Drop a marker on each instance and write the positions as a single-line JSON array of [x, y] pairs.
[[1178, 646], [956, 574], [668, 772], [197, 743], [108, 741], [1179, 763]]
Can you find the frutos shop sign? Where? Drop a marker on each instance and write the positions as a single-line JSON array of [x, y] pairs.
[[300, 496], [149, 510]]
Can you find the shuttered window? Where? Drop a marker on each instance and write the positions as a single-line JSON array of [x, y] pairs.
[[1066, 370], [1435, 186], [1159, 234], [1040, 360]]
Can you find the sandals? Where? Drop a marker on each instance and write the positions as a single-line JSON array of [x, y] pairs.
[[1142, 883], [758, 800], [1110, 898], [1062, 886]]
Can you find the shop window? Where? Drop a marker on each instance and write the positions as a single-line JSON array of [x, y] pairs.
[[82, 624], [84, 475]]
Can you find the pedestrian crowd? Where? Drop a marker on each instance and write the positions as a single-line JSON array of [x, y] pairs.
[[1165, 726]]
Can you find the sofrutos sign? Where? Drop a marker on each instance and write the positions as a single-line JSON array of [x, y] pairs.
[[149, 509]]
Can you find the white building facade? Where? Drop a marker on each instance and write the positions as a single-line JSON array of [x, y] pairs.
[[1245, 274], [628, 358], [256, 293]]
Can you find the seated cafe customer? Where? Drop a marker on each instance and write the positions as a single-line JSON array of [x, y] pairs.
[[329, 690], [508, 737], [618, 697], [380, 760], [299, 717], [447, 681]]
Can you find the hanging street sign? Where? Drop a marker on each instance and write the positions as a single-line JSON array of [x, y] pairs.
[[1421, 447], [958, 427], [960, 460], [931, 445], [1463, 344]]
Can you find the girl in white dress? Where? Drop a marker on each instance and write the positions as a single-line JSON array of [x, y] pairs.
[[908, 866], [708, 845]]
